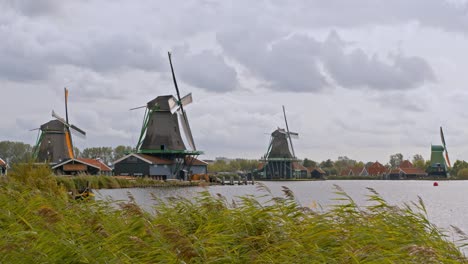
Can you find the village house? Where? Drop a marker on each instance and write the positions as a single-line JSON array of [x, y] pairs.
[[376, 169], [406, 170]]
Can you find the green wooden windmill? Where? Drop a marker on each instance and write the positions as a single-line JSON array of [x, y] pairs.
[[440, 162]]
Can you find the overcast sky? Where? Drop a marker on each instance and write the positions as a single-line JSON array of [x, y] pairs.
[[362, 78]]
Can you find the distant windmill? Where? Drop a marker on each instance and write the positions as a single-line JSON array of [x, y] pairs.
[[281, 145], [280, 158], [439, 163], [54, 143]]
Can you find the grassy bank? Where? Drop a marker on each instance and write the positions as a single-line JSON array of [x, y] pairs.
[[39, 223], [110, 182]]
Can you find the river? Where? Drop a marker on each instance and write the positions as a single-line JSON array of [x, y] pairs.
[[446, 204]]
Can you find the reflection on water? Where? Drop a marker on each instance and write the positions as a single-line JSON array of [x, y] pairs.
[[446, 204]]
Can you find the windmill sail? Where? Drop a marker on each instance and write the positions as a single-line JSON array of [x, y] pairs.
[[442, 137], [289, 133], [187, 131]]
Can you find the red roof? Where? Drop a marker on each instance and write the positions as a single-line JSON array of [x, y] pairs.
[[155, 160], [260, 166], [319, 170], [357, 170], [97, 163], [406, 164], [195, 162], [413, 171], [2, 163], [376, 168], [298, 166], [345, 172]]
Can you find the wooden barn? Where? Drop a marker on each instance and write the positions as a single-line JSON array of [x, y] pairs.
[[316, 173], [82, 166], [136, 164]]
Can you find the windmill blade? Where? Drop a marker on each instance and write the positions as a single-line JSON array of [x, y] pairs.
[[59, 118], [135, 108], [293, 135], [77, 130], [66, 104], [442, 137], [447, 158], [186, 100], [34, 129], [186, 125], [186, 128], [173, 105], [289, 134]]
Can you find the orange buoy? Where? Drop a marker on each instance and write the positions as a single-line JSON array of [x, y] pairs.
[[435, 184]]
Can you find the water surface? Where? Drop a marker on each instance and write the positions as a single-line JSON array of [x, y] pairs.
[[446, 204]]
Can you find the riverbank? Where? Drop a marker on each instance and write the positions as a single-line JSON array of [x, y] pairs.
[[40, 223]]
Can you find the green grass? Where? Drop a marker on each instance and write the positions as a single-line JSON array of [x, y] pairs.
[[39, 223]]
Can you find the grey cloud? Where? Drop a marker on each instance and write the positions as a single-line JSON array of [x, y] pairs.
[[29, 52], [205, 70], [302, 64], [117, 52], [35, 7], [356, 69], [347, 14]]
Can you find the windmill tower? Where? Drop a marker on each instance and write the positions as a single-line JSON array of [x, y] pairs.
[[54, 143], [280, 161], [166, 132], [439, 163]]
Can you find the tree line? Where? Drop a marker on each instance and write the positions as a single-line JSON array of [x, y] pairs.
[[15, 152]]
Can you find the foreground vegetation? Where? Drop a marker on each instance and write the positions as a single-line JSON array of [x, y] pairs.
[[39, 223]]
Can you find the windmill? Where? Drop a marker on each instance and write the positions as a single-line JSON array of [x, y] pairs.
[[440, 163], [161, 134], [280, 157], [54, 143]]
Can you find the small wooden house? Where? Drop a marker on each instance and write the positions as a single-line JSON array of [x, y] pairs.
[[316, 173], [79, 166], [300, 172], [358, 171]]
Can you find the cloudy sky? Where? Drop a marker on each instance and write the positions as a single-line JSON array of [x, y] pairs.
[[363, 78]]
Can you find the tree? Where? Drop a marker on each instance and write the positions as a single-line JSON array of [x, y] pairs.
[[309, 163], [76, 152], [359, 164], [104, 153], [395, 160], [13, 152], [327, 164], [463, 174], [120, 151], [419, 162], [344, 162], [458, 166]]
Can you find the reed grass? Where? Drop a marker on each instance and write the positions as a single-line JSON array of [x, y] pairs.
[[39, 223]]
